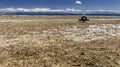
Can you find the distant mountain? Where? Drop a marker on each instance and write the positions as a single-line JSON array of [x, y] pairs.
[[41, 13], [62, 13], [2, 13], [103, 13]]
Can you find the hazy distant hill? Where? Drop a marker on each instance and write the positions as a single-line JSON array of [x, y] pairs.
[[41, 13], [103, 13], [61, 13], [1, 13]]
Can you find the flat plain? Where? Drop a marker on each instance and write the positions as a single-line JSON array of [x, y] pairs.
[[59, 41]]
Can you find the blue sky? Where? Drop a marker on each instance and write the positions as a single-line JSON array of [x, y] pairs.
[[87, 5]]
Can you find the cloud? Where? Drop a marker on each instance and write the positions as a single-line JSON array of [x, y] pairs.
[[78, 2], [72, 10], [102, 10], [67, 10]]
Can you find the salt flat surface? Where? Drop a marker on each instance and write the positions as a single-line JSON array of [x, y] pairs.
[[92, 32], [105, 19]]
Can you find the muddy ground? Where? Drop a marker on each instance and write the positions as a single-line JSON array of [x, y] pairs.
[[59, 41]]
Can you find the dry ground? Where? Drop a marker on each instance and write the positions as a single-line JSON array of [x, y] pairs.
[[59, 41]]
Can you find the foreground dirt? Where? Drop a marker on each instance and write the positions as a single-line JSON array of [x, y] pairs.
[[59, 41]]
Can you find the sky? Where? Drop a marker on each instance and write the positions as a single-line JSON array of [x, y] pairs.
[[60, 5]]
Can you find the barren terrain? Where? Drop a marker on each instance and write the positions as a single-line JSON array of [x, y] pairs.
[[59, 41]]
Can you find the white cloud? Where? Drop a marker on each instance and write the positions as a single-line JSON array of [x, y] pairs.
[[39, 10], [102, 10], [68, 10], [78, 2]]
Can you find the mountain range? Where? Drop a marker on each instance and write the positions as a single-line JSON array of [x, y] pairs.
[[57, 13]]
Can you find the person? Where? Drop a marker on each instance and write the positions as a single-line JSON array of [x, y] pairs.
[[84, 19]]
